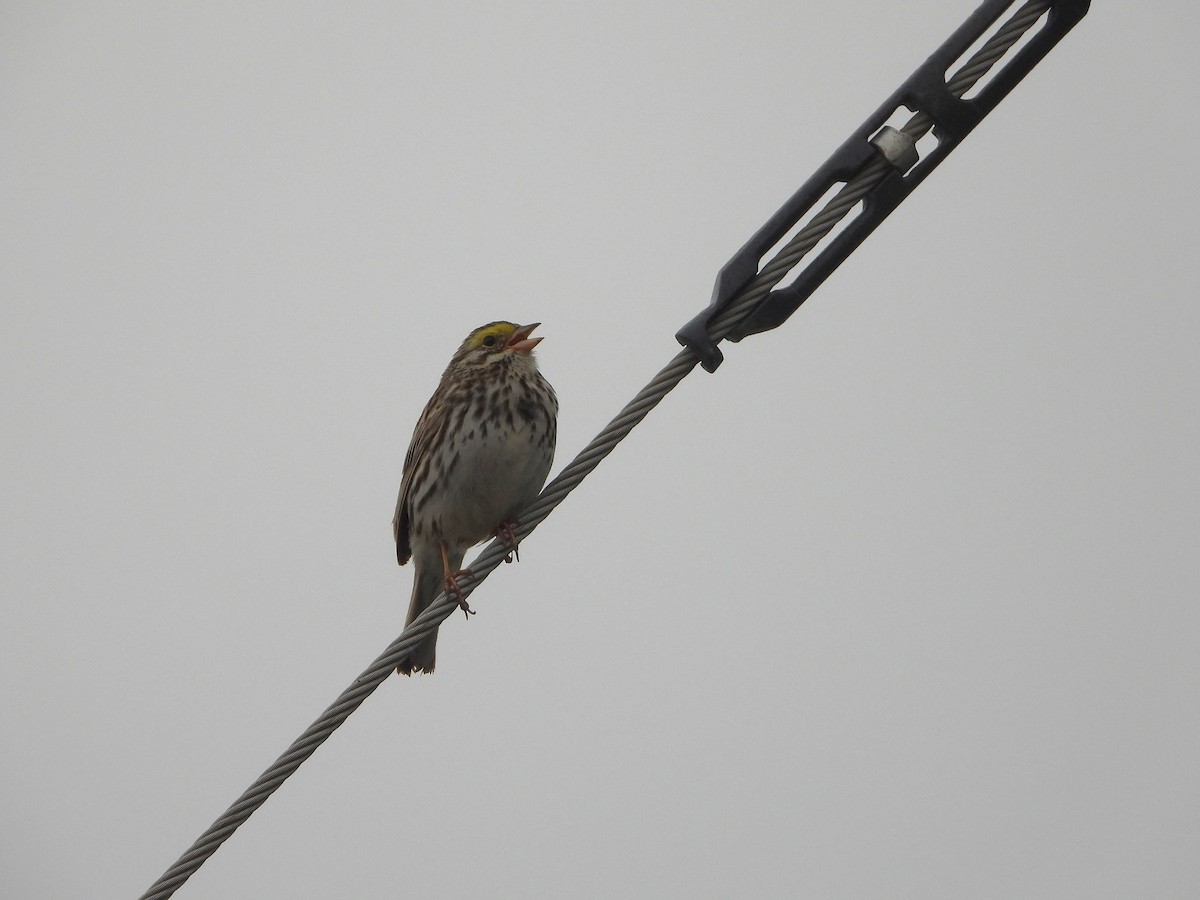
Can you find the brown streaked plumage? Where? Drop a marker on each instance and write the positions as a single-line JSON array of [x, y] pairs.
[[479, 454]]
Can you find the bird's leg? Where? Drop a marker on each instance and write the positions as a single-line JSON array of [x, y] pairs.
[[452, 588], [506, 535]]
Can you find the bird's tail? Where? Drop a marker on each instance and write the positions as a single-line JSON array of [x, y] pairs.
[[427, 584]]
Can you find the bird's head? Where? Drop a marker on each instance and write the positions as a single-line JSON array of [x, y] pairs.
[[496, 341]]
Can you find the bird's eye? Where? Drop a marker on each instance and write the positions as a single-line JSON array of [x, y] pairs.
[[489, 341]]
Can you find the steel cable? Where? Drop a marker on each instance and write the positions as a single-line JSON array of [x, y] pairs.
[[587, 459]]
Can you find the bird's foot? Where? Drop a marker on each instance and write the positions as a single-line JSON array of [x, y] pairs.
[[455, 592], [506, 535]]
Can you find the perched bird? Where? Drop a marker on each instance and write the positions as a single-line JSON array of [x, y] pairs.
[[480, 453]]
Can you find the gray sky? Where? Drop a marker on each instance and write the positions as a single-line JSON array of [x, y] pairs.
[[901, 602]]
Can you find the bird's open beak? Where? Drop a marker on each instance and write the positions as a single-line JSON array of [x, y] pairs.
[[521, 341]]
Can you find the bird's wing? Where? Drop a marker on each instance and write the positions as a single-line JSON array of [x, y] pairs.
[[418, 448]]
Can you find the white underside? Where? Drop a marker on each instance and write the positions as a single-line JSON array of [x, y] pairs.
[[493, 480]]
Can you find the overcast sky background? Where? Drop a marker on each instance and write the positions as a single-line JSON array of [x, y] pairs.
[[901, 602]]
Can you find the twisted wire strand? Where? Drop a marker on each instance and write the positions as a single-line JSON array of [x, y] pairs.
[[570, 477]]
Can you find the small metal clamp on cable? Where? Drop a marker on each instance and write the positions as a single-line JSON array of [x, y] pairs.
[[897, 148], [951, 117]]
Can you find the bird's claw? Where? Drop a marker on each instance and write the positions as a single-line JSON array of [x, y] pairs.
[[455, 592], [506, 535]]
